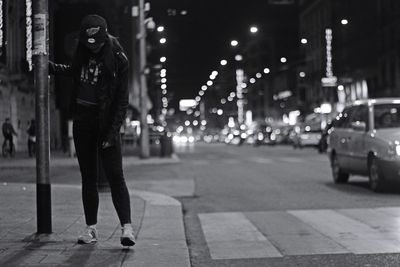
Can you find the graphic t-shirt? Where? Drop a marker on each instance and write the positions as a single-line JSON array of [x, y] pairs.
[[90, 82]]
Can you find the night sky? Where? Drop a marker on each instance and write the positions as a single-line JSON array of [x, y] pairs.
[[197, 41]]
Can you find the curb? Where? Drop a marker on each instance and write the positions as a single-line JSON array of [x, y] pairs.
[[161, 239], [72, 162]]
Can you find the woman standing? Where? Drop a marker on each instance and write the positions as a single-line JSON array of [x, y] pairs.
[[99, 102]]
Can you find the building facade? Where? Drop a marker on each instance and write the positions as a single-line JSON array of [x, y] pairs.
[[339, 41]]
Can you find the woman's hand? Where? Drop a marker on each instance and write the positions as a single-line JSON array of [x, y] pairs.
[[105, 144]]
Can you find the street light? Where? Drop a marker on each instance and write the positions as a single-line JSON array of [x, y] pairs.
[[266, 70], [223, 62], [160, 28], [238, 57], [283, 59], [252, 80], [163, 40], [163, 86], [209, 83], [253, 29], [234, 43], [304, 41], [204, 87], [258, 75], [344, 21], [163, 59]]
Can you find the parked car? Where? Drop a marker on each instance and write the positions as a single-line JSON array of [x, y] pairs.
[[306, 136], [365, 140]]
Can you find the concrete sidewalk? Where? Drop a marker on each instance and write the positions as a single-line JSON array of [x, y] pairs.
[[157, 221]]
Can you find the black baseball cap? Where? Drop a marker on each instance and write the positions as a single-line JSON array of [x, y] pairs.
[[93, 31]]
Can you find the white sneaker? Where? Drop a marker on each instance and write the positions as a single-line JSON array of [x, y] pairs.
[[127, 237], [88, 236]]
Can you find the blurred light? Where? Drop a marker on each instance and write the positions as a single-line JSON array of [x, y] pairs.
[[163, 74], [214, 110], [160, 28], [204, 87], [266, 70], [187, 123], [164, 99], [195, 123], [307, 128], [198, 98], [252, 80], [165, 104], [163, 59], [164, 92], [197, 113], [214, 73], [191, 139], [238, 58], [243, 85], [326, 108], [253, 29], [230, 98], [163, 86], [184, 12], [302, 74], [203, 122], [212, 77], [163, 80], [223, 101], [232, 94], [344, 21], [304, 40], [163, 40], [234, 43], [163, 70], [209, 83], [223, 62], [201, 93], [283, 59], [220, 112], [340, 87], [258, 75]]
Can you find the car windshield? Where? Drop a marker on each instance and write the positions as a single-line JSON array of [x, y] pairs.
[[387, 116]]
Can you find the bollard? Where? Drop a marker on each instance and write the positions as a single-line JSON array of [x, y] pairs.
[[166, 145]]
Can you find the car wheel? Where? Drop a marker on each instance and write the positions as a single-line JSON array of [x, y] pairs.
[[376, 182], [339, 176]]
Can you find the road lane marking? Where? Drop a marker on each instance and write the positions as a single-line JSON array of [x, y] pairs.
[[354, 235], [291, 160], [232, 236], [261, 160], [292, 236]]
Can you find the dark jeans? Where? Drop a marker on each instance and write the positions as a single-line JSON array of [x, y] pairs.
[[88, 148]]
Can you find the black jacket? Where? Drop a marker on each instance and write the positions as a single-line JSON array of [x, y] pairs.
[[113, 99]]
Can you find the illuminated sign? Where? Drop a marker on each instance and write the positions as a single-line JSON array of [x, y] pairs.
[[239, 93], [329, 80], [29, 34]]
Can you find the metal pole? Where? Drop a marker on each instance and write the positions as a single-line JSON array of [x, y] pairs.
[[144, 133], [41, 84]]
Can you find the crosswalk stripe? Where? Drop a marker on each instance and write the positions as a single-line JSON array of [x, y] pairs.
[[292, 236], [356, 236], [233, 236], [378, 219]]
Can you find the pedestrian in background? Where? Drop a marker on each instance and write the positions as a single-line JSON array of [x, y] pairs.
[[31, 138], [8, 133], [99, 102]]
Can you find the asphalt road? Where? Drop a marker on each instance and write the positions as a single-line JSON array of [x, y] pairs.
[[253, 189], [266, 206]]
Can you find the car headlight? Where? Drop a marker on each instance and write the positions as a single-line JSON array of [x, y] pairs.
[[397, 150], [394, 150]]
